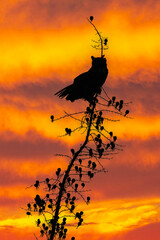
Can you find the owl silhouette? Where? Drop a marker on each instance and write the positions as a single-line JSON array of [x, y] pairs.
[[88, 84]]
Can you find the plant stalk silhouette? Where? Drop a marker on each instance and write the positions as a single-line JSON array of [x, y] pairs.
[[68, 171], [61, 192]]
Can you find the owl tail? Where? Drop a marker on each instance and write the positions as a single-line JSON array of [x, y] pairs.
[[66, 92]]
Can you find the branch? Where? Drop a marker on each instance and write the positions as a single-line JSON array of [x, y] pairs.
[[68, 171]]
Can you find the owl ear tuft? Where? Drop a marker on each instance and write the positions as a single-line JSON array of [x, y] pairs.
[[92, 57]]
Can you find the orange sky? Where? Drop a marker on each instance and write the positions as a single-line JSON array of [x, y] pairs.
[[44, 45]]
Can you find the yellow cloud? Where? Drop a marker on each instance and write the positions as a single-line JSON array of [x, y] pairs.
[[110, 216]]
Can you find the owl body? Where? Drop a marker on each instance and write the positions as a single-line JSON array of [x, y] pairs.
[[87, 84]]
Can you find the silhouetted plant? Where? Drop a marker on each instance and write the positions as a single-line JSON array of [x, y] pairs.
[[101, 44], [61, 193]]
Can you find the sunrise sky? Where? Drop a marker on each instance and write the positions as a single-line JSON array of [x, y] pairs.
[[44, 45]]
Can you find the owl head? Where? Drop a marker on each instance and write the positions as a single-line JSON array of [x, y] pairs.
[[98, 62]]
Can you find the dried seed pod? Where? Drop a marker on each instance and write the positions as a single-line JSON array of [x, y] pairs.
[[52, 118]]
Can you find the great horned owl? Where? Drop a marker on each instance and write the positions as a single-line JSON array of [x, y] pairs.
[[87, 84]]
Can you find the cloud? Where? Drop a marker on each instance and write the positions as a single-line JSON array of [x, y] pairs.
[[40, 95], [110, 217], [150, 231], [10, 177], [126, 182], [14, 234], [142, 92], [31, 90], [47, 51], [132, 173], [47, 13], [34, 147]]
